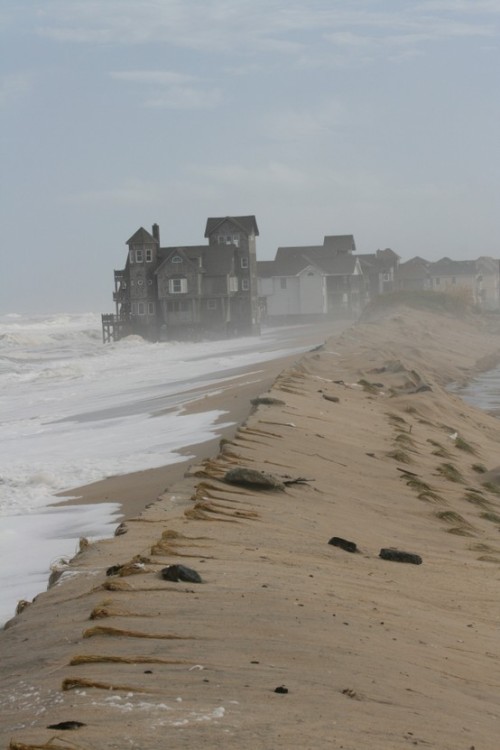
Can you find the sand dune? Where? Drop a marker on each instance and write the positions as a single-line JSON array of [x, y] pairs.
[[366, 652]]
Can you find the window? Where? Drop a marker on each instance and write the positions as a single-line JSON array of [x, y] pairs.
[[139, 257], [212, 304], [151, 308], [221, 239], [245, 285], [177, 286], [149, 255], [282, 283], [177, 305], [176, 259], [131, 255], [233, 284], [236, 240], [244, 262], [141, 308]]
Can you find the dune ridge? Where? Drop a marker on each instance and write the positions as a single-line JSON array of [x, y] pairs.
[[290, 641]]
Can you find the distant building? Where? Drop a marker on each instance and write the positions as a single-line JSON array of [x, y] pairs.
[[312, 281], [187, 292], [380, 271], [479, 279]]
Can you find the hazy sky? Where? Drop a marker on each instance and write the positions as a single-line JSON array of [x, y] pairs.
[[379, 118]]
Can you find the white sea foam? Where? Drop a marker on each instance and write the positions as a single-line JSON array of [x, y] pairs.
[[73, 411]]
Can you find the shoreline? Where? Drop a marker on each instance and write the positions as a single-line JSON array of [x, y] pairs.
[[136, 490], [364, 651]]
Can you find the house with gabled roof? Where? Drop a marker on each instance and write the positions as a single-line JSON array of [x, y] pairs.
[[479, 279], [312, 281], [188, 291]]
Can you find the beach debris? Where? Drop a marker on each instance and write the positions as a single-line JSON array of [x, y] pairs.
[[267, 401], [337, 541], [74, 683], [281, 689], [327, 397], [298, 480], [121, 529], [21, 606], [134, 566], [350, 693], [103, 630], [180, 573], [113, 570], [67, 725], [100, 659], [49, 745], [116, 586], [253, 478], [397, 555]]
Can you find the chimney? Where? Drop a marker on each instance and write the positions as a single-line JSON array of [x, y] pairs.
[[156, 233]]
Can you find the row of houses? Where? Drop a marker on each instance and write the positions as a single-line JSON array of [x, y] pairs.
[[220, 289]]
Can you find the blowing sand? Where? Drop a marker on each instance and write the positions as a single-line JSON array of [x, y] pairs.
[[367, 653]]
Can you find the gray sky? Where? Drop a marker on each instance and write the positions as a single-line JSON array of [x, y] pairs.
[[378, 118]]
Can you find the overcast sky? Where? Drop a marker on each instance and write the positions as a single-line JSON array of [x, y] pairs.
[[379, 118]]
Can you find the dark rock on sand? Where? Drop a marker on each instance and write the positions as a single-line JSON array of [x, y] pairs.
[[397, 555], [335, 399], [267, 401], [180, 573], [281, 689], [260, 480], [113, 570], [344, 544], [67, 725]]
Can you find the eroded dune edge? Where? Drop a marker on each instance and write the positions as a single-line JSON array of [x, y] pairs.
[[365, 652]]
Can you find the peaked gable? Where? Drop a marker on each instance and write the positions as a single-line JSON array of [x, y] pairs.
[[246, 224], [141, 237]]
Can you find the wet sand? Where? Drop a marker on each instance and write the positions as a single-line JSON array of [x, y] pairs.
[[364, 652]]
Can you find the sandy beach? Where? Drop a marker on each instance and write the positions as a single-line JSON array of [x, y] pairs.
[[289, 641]]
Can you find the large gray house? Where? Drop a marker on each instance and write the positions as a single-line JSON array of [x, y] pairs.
[[185, 292]]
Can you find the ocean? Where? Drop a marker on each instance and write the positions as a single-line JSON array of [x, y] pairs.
[[74, 411]]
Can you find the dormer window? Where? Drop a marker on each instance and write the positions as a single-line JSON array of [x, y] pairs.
[[139, 255], [149, 255]]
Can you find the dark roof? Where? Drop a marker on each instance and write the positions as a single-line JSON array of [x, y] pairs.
[[246, 224], [381, 260], [141, 237], [339, 265], [415, 268], [340, 243], [290, 261], [448, 267]]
